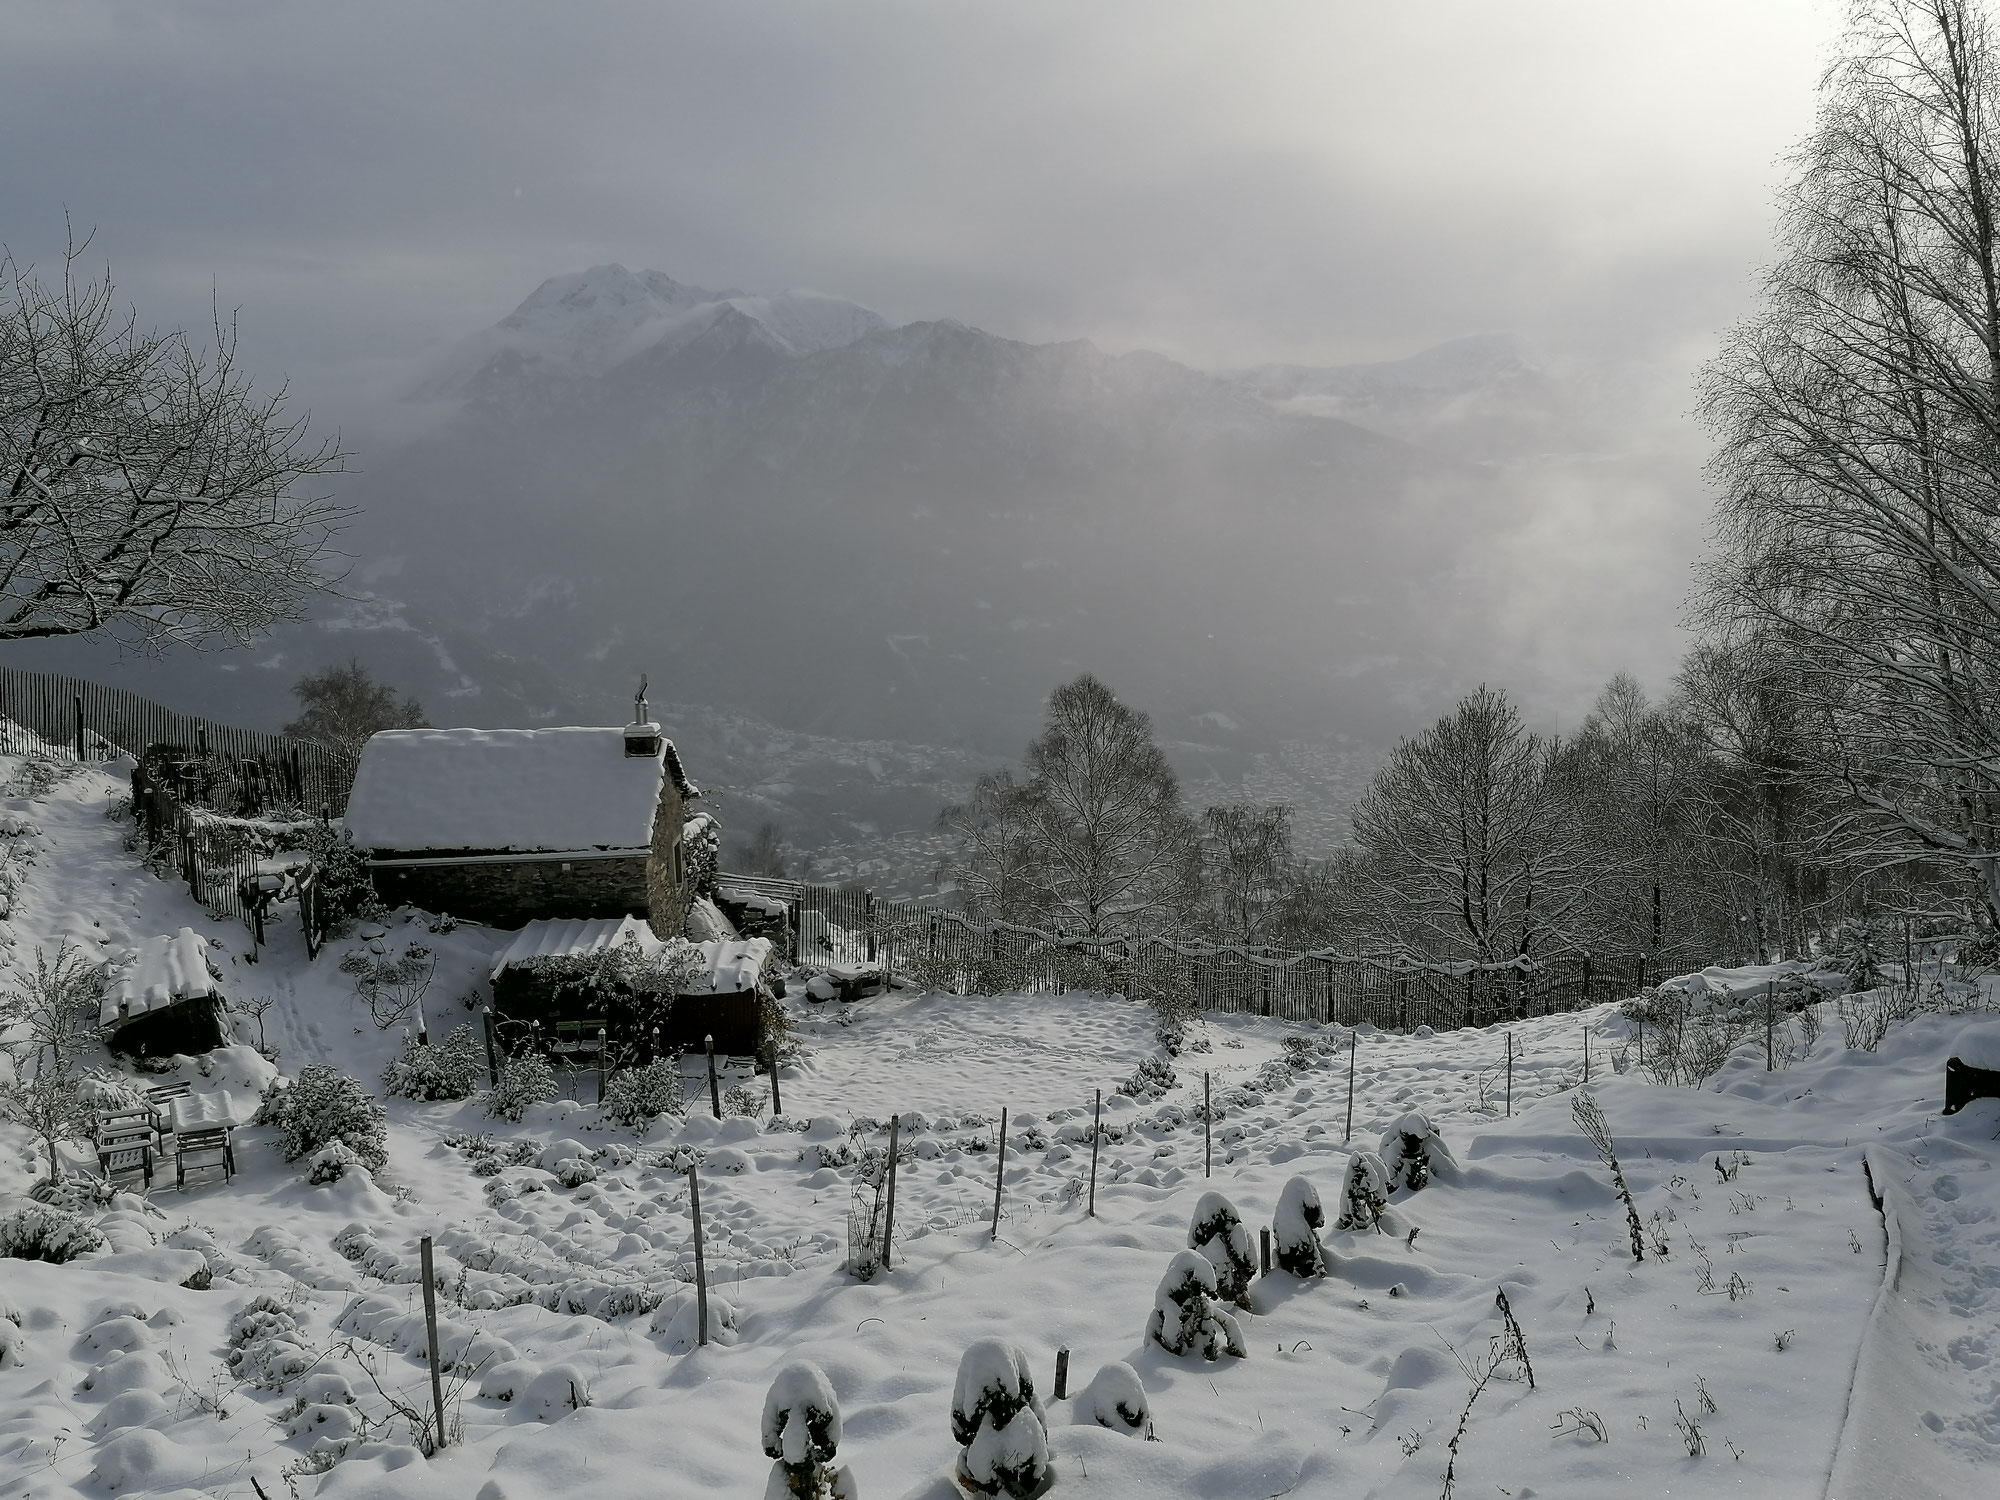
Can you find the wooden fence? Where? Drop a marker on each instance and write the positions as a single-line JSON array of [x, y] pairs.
[[247, 771], [945, 950]]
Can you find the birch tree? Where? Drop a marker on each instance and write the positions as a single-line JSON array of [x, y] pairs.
[[1858, 465]]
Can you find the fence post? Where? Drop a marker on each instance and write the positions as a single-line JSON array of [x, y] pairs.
[[777, 1103], [1586, 979], [1000, 1172], [1770, 1010], [889, 1216], [868, 921], [1096, 1134], [1351, 1034], [714, 1088], [431, 1330], [1510, 1075], [78, 699], [1062, 1373], [602, 1054], [700, 1260]]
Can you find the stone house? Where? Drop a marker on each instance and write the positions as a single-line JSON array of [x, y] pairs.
[[507, 826]]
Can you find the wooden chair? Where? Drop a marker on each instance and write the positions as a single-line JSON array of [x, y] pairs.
[[161, 1102], [124, 1121], [200, 1147], [122, 1156]]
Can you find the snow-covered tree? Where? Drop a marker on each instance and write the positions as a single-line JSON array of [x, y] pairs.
[[1115, 1398], [1218, 1232], [1294, 1240], [801, 1430], [1364, 1193], [1413, 1151], [999, 1424], [1186, 1317]]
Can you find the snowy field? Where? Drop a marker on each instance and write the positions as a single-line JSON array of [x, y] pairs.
[[1773, 1342]]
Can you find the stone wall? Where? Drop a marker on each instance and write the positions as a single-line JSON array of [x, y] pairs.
[[508, 894]]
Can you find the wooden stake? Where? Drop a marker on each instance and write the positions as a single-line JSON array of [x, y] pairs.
[[1586, 1054], [700, 1260], [431, 1329], [1096, 1114], [1264, 1251], [777, 1104], [1510, 1075], [1207, 1131], [601, 1051], [1770, 1013], [1350, 1085], [889, 1217], [714, 1087], [1000, 1172], [1062, 1373]]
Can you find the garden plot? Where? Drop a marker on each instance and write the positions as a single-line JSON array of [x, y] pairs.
[[564, 1255]]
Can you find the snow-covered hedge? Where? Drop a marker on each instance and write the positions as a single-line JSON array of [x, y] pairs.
[[635, 1097], [1364, 1193], [1413, 1152], [1186, 1318], [801, 1430], [999, 1424], [42, 1233], [525, 1079], [324, 1105], [1217, 1231], [1294, 1239], [450, 1069]]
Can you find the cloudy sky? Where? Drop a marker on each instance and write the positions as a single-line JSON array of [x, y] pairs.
[[1229, 184]]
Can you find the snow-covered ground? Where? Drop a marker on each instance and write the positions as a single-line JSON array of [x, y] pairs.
[[1770, 1312]]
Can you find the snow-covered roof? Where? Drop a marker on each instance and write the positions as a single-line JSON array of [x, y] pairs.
[[734, 965], [561, 937], [164, 971], [531, 790]]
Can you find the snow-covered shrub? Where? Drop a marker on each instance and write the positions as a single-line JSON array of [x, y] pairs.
[[266, 1348], [331, 1162], [1116, 1399], [998, 1423], [450, 1069], [80, 1194], [525, 1078], [1155, 1076], [13, 1348], [1217, 1231], [556, 1392], [801, 1430], [1413, 1151], [393, 989], [102, 1091], [1294, 1241], [50, 1234], [343, 890], [635, 1097], [324, 1105], [1186, 1318], [1364, 1193]]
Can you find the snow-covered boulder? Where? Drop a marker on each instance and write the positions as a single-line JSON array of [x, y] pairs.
[[1115, 1398], [1413, 1152], [1295, 1242], [801, 1431], [1218, 1232], [999, 1424], [1186, 1317]]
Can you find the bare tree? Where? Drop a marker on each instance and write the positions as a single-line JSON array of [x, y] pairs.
[[1246, 870], [343, 706], [1858, 418], [146, 490], [1468, 841], [1092, 837], [764, 854]]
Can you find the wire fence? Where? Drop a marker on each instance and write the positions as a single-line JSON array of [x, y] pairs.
[[832, 926]]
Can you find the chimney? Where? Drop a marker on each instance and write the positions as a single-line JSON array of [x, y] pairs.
[[642, 735]]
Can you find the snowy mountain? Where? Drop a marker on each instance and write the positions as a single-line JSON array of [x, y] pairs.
[[584, 323]]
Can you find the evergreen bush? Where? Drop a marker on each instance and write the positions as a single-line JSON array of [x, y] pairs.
[[324, 1105]]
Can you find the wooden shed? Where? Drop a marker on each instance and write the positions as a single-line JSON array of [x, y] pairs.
[[165, 998], [723, 1001], [510, 826]]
